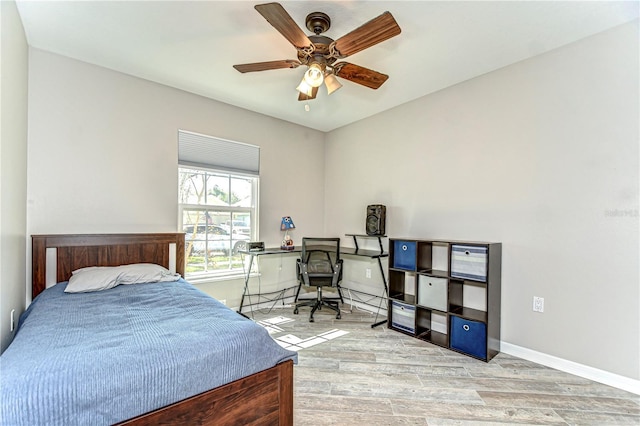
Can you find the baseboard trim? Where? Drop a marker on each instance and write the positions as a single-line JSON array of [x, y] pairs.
[[600, 376], [364, 307]]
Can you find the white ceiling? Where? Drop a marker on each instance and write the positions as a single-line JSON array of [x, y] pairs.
[[192, 45]]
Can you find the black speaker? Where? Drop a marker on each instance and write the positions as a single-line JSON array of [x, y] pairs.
[[376, 216]]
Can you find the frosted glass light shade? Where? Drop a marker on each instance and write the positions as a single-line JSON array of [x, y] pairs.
[[314, 75], [305, 88], [332, 83]]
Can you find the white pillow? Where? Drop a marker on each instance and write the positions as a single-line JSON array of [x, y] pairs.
[[145, 273], [93, 279], [96, 278]]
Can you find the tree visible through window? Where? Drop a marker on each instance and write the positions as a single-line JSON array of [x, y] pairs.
[[218, 212]]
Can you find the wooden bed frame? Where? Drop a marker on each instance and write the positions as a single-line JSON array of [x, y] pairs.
[[264, 398]]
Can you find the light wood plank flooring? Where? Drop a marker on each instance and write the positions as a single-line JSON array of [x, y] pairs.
[[382, 377]]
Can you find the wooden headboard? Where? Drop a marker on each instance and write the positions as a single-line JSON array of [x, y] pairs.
[[76, 251]]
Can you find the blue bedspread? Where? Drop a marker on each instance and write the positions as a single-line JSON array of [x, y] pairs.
[[100, 358]]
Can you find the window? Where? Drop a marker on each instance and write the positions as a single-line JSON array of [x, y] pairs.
[[218, 208]]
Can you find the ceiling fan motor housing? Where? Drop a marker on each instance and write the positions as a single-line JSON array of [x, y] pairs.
[[318, 22], [320, 53]]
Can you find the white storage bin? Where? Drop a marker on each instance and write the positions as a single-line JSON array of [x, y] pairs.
[[432, 292]]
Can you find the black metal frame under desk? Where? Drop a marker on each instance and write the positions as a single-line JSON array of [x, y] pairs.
[[372, 254], [253, 254]]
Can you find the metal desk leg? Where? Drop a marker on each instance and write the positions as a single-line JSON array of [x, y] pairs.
[[246, 286], [386, 295]]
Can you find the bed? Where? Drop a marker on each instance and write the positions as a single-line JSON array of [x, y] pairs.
[[140, 354]]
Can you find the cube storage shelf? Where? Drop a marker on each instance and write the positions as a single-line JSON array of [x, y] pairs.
[[447, 293]]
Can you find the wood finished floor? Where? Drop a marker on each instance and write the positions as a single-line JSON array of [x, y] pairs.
[[382, 377]]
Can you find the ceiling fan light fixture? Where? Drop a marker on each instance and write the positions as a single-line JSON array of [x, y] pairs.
[[305, 88], [332, 83], [314, 75], [319, 53]]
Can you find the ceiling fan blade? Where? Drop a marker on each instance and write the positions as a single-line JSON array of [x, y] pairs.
[[275, 14], [303, 97], [264, 66], [373, 32], [360, 75]]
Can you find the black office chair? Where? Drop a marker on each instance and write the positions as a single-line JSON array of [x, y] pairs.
[[320, 266]]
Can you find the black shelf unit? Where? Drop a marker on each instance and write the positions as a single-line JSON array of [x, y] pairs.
[[447, 292]]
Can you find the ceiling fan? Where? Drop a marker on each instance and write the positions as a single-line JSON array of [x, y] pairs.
[[320, 53]]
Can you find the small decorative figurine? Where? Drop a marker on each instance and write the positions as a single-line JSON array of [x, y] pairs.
[[287, 243], [285, 225]]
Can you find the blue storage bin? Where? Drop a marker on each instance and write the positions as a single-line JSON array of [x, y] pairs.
[[404, 255], [468, 336]]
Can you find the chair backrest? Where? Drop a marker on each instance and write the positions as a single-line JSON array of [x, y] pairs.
[[320, 263]]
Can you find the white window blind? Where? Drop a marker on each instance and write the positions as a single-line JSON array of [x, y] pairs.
[[197, 150]]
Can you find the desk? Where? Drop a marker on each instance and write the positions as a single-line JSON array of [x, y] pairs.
[[346, 251]]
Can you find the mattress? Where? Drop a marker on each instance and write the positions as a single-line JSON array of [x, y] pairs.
[[103, 357]]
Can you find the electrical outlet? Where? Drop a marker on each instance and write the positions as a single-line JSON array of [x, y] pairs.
[[367, 272], [538, 304], [13, 320]]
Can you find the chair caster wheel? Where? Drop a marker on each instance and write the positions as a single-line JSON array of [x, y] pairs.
[[311, 319], [295, 311], [338, 316]]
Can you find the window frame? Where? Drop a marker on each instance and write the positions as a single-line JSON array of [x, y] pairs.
[[253, 211]]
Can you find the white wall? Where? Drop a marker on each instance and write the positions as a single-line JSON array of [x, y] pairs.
[[103, 155], [541, 156], [13, 168]]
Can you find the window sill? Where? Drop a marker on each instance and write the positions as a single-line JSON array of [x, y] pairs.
[[204, 279]]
